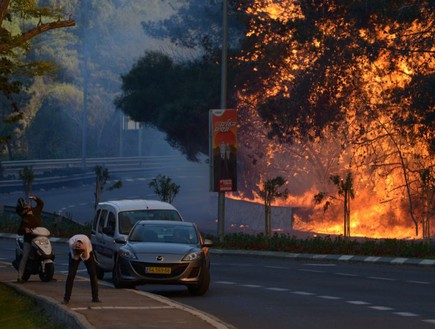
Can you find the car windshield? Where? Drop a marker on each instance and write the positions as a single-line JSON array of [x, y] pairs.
[[164, 233], [127, 219]]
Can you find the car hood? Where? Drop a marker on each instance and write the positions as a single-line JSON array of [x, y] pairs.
[[144, 248]]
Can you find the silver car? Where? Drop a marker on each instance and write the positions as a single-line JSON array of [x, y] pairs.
[[163, 252]]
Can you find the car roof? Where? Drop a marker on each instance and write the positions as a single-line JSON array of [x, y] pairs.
[[165, 222], [137, 204]]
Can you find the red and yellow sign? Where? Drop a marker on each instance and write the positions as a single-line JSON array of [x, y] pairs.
[[223, 150]]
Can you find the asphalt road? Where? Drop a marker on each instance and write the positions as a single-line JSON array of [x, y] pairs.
[[257, 292], [194, 200]]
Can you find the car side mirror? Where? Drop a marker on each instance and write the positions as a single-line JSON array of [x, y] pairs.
[[121, 240], [207, 243]]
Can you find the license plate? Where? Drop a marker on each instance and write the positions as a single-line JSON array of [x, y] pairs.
[[158, 270]]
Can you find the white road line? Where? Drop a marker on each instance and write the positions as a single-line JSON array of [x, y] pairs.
[[357, 302], [329, 297], [418, 282], [251, 286], [226, 282], [381, 308], [121, 308], [432, 321], [313, 271], [277, 289], [346, 274], [381, 278], [408, 314], [302, 293]]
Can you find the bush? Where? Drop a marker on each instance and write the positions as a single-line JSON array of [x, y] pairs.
[[328, 245]]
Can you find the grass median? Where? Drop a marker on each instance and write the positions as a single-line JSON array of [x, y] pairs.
[[22, 312]]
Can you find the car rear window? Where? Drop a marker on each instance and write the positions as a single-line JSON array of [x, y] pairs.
[[128, 218]]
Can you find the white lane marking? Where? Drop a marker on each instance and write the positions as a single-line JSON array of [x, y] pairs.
[[409, 314], [226, 282], [277, 289], [381, 308], [329, 297], [312, 271], [357, 302], [381, 278], [346, 274], [432, 321], [122, 308], [251, 285], [418, 282], [302, 293]]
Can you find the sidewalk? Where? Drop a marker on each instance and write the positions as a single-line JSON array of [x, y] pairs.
[[120, 308]]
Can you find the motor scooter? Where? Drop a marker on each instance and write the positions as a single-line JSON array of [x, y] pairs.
[[41, 257]]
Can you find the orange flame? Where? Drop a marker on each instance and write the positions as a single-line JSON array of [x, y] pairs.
[[379, 209]]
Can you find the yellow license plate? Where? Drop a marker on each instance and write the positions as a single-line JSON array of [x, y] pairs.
[[158, 270]]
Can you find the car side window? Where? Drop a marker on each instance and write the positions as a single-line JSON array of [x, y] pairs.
[[102, 220], [95, 222], [111, 222]]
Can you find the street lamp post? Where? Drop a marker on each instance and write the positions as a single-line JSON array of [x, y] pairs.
[[85, 25], [223, 105]]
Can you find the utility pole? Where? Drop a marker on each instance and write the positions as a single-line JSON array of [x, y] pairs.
[[223, 105], [85, 26]]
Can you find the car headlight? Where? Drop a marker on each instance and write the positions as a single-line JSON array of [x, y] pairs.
[[126, 253], [193, 255]]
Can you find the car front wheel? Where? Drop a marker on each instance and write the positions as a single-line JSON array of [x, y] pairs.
[[203, 283]]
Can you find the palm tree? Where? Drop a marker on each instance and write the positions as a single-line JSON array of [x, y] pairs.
[[164, 188], [269, 192]]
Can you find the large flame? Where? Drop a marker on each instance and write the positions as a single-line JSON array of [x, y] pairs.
[[380, 208]]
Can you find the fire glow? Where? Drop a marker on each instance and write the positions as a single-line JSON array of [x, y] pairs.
[[380, 208]]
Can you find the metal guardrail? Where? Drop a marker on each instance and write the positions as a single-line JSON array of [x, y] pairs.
[[49, 164], [11, 210], [11, 169]]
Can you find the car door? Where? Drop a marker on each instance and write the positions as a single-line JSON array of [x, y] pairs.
[[99, 241], [108, 240]]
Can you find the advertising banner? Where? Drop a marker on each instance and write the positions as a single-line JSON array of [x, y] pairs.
[[223, 150]]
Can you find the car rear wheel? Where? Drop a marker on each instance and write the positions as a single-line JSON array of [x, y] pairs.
[[203, 284]]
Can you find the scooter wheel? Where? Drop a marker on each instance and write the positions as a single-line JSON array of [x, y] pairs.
[[48, 274], [26, 276]]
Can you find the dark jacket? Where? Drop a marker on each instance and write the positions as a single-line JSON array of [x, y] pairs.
[[31, 220]]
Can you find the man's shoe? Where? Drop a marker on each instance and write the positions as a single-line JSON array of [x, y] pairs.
[[65, 301], [19, 280], [96, 300]]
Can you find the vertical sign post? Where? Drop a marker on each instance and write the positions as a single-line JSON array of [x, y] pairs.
[[223, 155]]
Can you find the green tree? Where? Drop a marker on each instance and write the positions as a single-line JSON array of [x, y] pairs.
[[164, 188], [269, 192], [27, 176], [15, 42], [173, 97], [101, 178]]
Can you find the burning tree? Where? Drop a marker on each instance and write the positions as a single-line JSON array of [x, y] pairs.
[[345, 189], [354, 77]]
